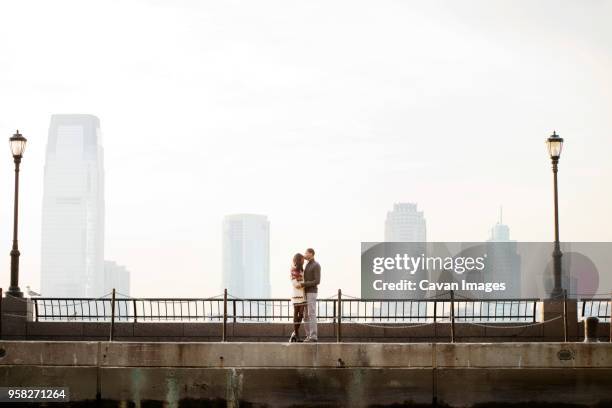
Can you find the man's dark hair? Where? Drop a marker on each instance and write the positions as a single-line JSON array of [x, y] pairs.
[[310, 250]]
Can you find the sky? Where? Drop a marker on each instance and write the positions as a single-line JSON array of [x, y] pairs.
[[318, 114]]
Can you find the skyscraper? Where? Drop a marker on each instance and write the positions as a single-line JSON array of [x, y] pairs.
[[246, 255], [405, 224], [504, 262], [500, 231], [72, 243], [116, 277]]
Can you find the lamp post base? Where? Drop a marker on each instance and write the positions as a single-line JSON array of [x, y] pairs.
[[14, 292], [13, 289], [556, 294], [557, 291]]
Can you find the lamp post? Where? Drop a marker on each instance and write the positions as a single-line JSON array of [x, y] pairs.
[[17, 143], [555, 144]]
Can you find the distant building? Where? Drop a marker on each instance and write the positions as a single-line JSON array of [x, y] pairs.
[[72, 242], [503, 261], [500, 232], [405, 224], [116, 277], [246, 255]]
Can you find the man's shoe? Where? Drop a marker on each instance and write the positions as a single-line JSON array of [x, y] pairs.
[[310, 340], [294, 338]]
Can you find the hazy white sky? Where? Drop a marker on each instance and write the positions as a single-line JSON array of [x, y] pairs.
[[319, 114]]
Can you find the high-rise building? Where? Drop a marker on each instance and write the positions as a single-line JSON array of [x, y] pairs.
[[500, 231], [246, 255], [72, 242], [405, 224], [503, 261], [116, 277]]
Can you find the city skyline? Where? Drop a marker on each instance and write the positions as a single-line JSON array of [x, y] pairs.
[[321, 130]]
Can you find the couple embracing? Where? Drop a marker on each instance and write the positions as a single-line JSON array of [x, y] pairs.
[[305, 281]]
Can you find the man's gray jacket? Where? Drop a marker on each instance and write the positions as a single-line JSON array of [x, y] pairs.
[[312, 276]]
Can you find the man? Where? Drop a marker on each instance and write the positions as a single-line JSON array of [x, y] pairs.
[[312, 277]]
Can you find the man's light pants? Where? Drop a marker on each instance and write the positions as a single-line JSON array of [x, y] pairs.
[[310, 316]]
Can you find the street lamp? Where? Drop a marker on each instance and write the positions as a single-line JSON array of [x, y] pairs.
[[17, 143], [555, 145]]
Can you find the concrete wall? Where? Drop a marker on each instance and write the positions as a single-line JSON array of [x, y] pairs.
[[347, 375]]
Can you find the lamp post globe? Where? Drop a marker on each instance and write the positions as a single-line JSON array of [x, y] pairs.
[[17, 144], [555, 146]]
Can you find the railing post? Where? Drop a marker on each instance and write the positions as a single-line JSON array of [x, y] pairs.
[[135, 314], [565, 315], [112, 328], [590, 329], [435, 313], [234, 310], [610, 317], [452, 313], [339, 311], [334, 312], [224, 333]]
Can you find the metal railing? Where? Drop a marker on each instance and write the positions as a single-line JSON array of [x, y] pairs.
[[173, 310], [128, 309], [275, 310], [218, 309], [439, 310], [598, 307], [512, 314]]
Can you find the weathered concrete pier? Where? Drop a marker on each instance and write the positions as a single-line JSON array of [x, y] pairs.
[[323, 374]]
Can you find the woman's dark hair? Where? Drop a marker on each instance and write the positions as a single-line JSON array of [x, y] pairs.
[[298, 261]]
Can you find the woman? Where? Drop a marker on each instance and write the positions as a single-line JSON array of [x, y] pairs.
[[298, 297]]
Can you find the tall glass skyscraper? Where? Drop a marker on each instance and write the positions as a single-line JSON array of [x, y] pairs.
[[72, 257], [246, 255]]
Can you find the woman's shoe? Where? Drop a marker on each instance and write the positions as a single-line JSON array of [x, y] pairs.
[[294, 338]]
